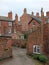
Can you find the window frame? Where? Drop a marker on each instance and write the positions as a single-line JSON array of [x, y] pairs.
[[9, 23], [37, 48], [15, 30], [9, 30]]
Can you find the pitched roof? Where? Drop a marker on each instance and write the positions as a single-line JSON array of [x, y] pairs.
[[35, 18], [3, 18]]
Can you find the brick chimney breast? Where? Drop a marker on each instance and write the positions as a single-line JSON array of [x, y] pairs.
[[16, 19], [25, 10], [10, 15], [32, 13], [42, 13], [47, 13], [16, 16], [37, 14]]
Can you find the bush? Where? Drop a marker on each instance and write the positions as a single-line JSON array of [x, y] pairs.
[[43, 58], [36, 56], [40, 57], [26, 36]]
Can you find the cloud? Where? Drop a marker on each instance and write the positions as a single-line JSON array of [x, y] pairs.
[[17, 6]]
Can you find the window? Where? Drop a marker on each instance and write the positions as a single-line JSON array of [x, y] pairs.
[[33, 23], [48, 20], [22, 37], [10, 23], [0, 23], [5, 30], [14, 30], [9, 30], [36, 49]]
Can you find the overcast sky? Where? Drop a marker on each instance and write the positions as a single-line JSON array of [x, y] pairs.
[[17, 6]]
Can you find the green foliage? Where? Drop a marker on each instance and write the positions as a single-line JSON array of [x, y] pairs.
[[40, 57], [43, 58], [36, 56], [26, 36]]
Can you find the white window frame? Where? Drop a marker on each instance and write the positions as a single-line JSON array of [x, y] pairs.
[[22, 37], [9, 30], [33, 23], [10, 23], [37, 48], [14, 30]]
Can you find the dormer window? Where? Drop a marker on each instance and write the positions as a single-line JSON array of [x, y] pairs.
[[33, 23], [10, 23]]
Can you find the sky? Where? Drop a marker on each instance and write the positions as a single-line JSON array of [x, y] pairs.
[[17, 6]]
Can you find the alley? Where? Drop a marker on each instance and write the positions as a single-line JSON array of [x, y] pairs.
[[19, 58]]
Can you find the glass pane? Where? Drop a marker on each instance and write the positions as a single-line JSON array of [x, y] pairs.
[[35, 49], [38, 50]]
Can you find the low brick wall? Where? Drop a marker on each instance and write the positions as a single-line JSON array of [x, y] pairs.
[[5, 47], [19, 43]]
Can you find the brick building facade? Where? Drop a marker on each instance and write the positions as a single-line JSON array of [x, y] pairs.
[[35, 24]]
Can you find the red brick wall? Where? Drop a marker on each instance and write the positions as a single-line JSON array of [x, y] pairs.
[[46, 38], [5, 48], [4, 25], [24, 21], [37, 25], [34, 39]]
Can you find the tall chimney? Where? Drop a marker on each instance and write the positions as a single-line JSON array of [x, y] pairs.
[[42, 16], [16, 19], [10, 15], [47, 13], [25, 11], [37, 14], [32, 14]]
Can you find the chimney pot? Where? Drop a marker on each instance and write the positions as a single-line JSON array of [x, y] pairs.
[[32, 13], [10, 15], [37, 14], [47, 13], [25, 10]]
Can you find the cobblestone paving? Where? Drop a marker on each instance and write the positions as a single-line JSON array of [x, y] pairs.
[[19, 58]]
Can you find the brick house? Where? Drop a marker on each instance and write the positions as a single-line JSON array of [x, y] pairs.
[[6, 29], [6, 24], [25, 18], [38, 39]]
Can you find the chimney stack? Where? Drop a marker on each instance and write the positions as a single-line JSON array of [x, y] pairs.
[[47, 13], [10, 15], [37, 14], [16, 19], [42, 16], [25, 11], [32, 13], [42, 13]]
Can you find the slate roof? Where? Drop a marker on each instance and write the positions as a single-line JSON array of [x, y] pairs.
[[3, 18], [35, 18]]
